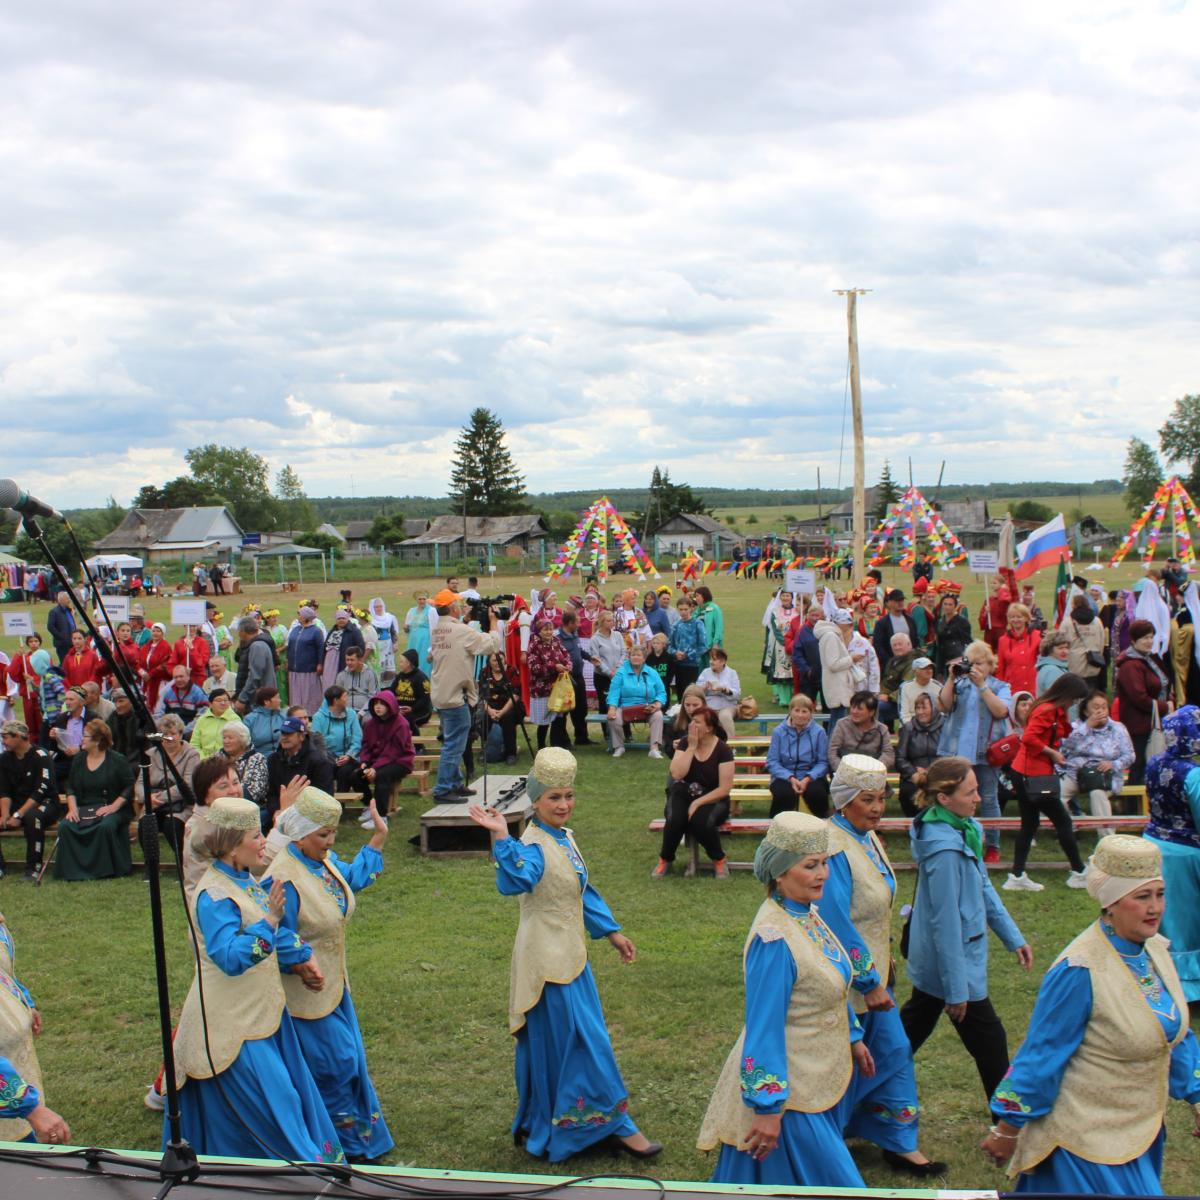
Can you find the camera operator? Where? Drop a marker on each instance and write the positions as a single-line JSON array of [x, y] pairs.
[[977, 704], [452, 650]]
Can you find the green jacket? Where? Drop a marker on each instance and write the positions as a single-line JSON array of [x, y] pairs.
[[714, 623]]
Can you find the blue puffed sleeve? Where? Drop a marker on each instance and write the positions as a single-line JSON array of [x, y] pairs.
[[770, 977], [363, 870], [1056, 1028], [1191, 789], [1185, 1070], [519, 866], [18, 1098], [233, 949], [597, 916], [835, 912]]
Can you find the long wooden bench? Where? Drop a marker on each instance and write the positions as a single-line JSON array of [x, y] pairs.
[[742, 826]]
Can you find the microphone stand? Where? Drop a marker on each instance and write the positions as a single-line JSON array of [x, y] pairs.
[[179, 1163]]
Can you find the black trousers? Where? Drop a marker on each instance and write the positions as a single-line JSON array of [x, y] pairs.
[[1031, 808], [348, 778], [816, 796], [908, 792], [579, 714], [685, 676], [980, 1031], [1137, 773], [33, 824], [387, 779], [704, 826]]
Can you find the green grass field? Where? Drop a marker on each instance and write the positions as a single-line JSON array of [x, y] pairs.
[[429, 952]]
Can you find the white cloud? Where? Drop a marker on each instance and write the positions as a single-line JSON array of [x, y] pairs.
[[329, 234]]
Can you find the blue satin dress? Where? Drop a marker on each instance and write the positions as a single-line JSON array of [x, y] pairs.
[[18, 1097], [811, 1151], [882, 1109], [333, 1045], [268, 1086], [570, 1093], [1056, 1028]]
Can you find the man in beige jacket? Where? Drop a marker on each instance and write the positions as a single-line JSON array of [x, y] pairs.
[[452, 650]]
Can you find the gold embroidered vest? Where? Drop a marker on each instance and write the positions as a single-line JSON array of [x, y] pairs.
[[16, 1042], [817, 1034], [871, 906], [1113, 1097], [551, 943], [241, 1008], [323, 927]]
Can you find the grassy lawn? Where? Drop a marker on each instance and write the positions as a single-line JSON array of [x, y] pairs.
[[429, 954]]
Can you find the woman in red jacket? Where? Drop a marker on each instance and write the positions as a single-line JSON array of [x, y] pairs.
[[126, 650], [193, 652], [1141, 686], [82, 664], [155, 667], [21, 672], [1037, 786], [1017, 653]]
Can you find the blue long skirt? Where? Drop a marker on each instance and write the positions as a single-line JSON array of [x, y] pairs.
[[1064, 1172], [883, 1109], [1181, 920], [271, 1089], [419, 640], [810, 1153], [570, 1093], [333, 1048]]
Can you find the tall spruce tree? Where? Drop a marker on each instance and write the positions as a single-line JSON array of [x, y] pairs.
[[483, 470], [1143, 474], [886, 492]]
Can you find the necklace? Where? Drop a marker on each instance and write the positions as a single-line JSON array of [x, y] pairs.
[[1140, 967]]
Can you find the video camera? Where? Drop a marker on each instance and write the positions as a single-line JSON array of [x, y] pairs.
[[478, 609]]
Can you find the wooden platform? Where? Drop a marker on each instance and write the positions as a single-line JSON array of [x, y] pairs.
[[454, 817]]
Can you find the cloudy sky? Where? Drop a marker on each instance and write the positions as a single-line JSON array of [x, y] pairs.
[[329, 231]]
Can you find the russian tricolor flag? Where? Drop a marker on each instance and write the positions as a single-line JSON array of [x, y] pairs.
[[1044, 547]]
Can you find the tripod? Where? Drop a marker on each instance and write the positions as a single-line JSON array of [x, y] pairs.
[[179, 1162]]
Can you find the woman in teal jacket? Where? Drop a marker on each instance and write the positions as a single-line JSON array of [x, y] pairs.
[[954, 906]]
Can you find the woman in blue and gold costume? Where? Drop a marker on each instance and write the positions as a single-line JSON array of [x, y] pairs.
[[244, 1065], [319, 900], [570, 1094], [1081, 1109], [857, 906], [776, 1110]]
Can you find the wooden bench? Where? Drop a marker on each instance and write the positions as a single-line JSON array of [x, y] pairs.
[[740, 826]]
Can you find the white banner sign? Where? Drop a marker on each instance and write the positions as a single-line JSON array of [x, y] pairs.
[[800, 582], [18, 624], [187, 612], [983, 562], [117, 608]]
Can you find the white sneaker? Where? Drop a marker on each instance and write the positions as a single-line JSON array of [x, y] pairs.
[[154, 1100], [618, 752], [1021, 883], [366, 820], [1078, 879], [655, 752]]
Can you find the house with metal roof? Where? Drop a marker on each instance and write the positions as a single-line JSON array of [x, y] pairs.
[[509, 536], [155, 534]]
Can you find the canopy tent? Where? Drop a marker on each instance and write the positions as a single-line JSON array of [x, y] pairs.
[[1184, 519], [122, 562], [8, 560], [291, 550], [897, 537], [588, 545]]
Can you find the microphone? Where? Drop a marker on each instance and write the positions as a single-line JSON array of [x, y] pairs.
[[12, 497]]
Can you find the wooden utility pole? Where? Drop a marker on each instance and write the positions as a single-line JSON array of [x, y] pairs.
[[859, 537]]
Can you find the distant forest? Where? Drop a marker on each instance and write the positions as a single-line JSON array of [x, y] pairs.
[[337, 510]]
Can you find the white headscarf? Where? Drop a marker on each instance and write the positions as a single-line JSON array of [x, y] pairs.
[[294, 825], [1153, 608], [381, 619], [829, 604]]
